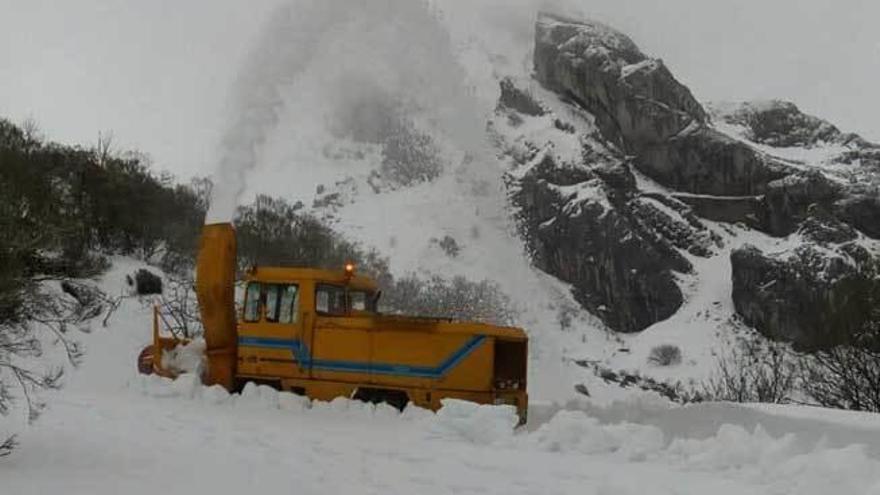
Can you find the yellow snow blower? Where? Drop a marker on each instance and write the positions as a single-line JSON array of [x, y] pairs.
[[318, 333]]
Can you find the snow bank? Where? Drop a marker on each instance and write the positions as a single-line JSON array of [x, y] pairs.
[[786, 463], [574, 431], [255, 397], [780, 462], [476, 423], [734, 448]]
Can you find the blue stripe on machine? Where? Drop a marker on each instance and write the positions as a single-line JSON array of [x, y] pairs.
[[302, 355]]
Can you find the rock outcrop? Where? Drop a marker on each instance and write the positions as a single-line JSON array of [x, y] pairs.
[[813, 296], [586, 220], [640, 107], [620, 269], [781, 124]]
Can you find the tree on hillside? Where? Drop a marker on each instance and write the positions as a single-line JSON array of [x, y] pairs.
[[61, 209]]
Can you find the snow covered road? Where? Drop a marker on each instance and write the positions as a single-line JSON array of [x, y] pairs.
[[110, 431]]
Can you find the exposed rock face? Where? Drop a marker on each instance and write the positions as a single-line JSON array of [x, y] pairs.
[[635, 100], [702, 160], [811, 296], [619, 268], [787, 200], [854, 197], [587, 222], [518, 100], [748, 210], [863, 212], [781, 124], [640, 107]]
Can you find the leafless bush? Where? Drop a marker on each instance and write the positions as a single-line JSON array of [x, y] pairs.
[[20, 347], [26, 380], [845, 377], [665, 355], [7, 446], [753, 372], [409, 156], [448, 244], [44, 317], [179, 307]]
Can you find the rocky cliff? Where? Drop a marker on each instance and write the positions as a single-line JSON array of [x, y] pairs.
[[623, 181]]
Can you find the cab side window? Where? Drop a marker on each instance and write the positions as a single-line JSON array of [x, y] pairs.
[[252, 302], [289, 306], [273, 293], [330, 300], [358, 300]]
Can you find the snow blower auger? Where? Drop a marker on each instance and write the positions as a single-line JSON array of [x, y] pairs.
[[318, 333]]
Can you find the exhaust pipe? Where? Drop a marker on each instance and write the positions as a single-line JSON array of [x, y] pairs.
[[215, 289]]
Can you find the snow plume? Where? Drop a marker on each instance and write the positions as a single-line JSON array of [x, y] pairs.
[[280, 56], [388, 53]]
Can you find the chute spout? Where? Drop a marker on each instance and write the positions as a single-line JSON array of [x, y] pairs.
[[215, 289]]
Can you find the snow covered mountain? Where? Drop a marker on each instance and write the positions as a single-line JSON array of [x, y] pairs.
[[555, 159]]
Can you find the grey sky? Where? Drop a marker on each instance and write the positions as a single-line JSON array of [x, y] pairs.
[[157, 73]]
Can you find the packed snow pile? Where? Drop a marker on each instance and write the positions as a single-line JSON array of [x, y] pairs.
[[185, 358], [779, 463], [575, 431], [476, 423]]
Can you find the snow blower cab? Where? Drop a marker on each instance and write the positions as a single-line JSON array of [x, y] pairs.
[[318, 333]]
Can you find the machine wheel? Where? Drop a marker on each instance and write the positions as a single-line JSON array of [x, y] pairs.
[[145, 361], [397, 399]]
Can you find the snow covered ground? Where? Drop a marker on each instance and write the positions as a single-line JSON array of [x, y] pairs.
[[112, 431]]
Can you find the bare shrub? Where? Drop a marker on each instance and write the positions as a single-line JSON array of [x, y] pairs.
[[409, 156], [179, 307], [665, 355], [7, 445], [21, 344], [753, 371], [845, 377], [448, 244]]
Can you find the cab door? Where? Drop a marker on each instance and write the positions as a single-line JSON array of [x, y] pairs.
[[271, 336]]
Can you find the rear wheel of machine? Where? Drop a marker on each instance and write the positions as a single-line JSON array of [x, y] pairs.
[[145, 361], [397, 399]]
